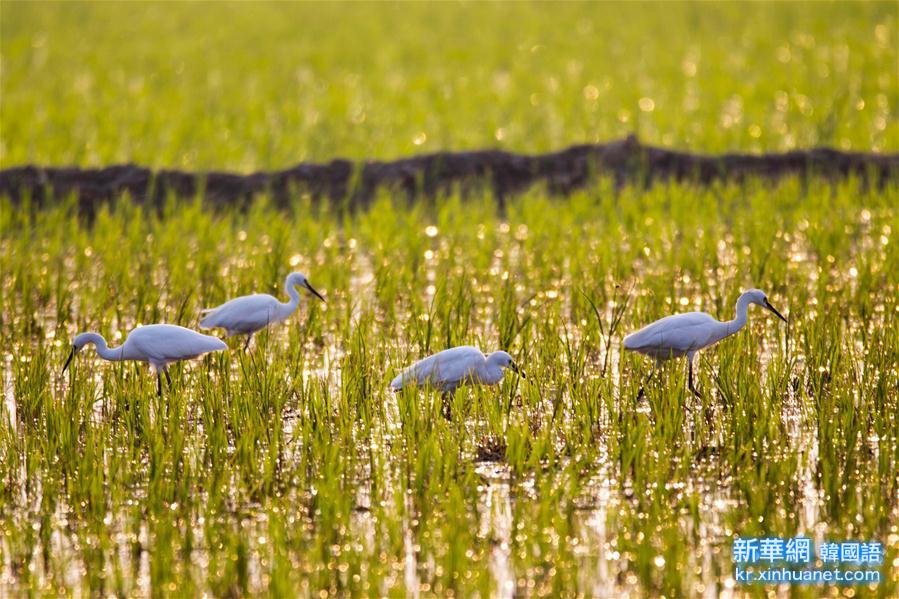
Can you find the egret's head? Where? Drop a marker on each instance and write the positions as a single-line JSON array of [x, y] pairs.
[[757, 296], [298, 279], [504, 360], [80, 341]]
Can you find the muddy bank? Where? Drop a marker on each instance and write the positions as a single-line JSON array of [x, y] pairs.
[[504, 173]]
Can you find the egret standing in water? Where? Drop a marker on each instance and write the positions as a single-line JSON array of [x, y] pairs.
[[685, 334], [451, 368], [158, 344], [251, 313]]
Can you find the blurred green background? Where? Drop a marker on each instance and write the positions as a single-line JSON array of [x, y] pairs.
[[249, 86]]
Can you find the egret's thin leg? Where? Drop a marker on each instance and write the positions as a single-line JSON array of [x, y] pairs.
[[692, 388], [247, 344], [448, 403], [168, 379], [447, 408], [158, 384], [652, 371]]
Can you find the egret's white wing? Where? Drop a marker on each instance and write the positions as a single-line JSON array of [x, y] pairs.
[[445, 369], [163, 343], [674, 335], [243, 314]]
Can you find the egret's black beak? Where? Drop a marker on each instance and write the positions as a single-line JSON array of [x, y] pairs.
[[514, 368], [314, 292], [69, 360], [770, 307]]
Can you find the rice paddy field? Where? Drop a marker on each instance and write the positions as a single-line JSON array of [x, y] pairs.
[[290, 469]]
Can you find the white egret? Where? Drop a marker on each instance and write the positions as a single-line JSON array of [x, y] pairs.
[[451, 368], [685, 334], [248, 314], [158, 344]]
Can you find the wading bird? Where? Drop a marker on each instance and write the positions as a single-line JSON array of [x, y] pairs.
[[158, 344], [451, 368], [685, 334], [251, 313]]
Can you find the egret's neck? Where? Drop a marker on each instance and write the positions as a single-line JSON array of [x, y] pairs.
[[741, 318], [107, 353], [490, 373], [287, 308]]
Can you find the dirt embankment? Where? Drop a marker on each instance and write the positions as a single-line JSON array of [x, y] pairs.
[[504, 173]]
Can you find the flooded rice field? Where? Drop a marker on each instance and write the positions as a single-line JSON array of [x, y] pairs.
[[291, 469]]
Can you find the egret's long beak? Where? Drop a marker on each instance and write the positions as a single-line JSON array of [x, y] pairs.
[[773, 309], [514, 368], [314, 292], [69, 360]]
